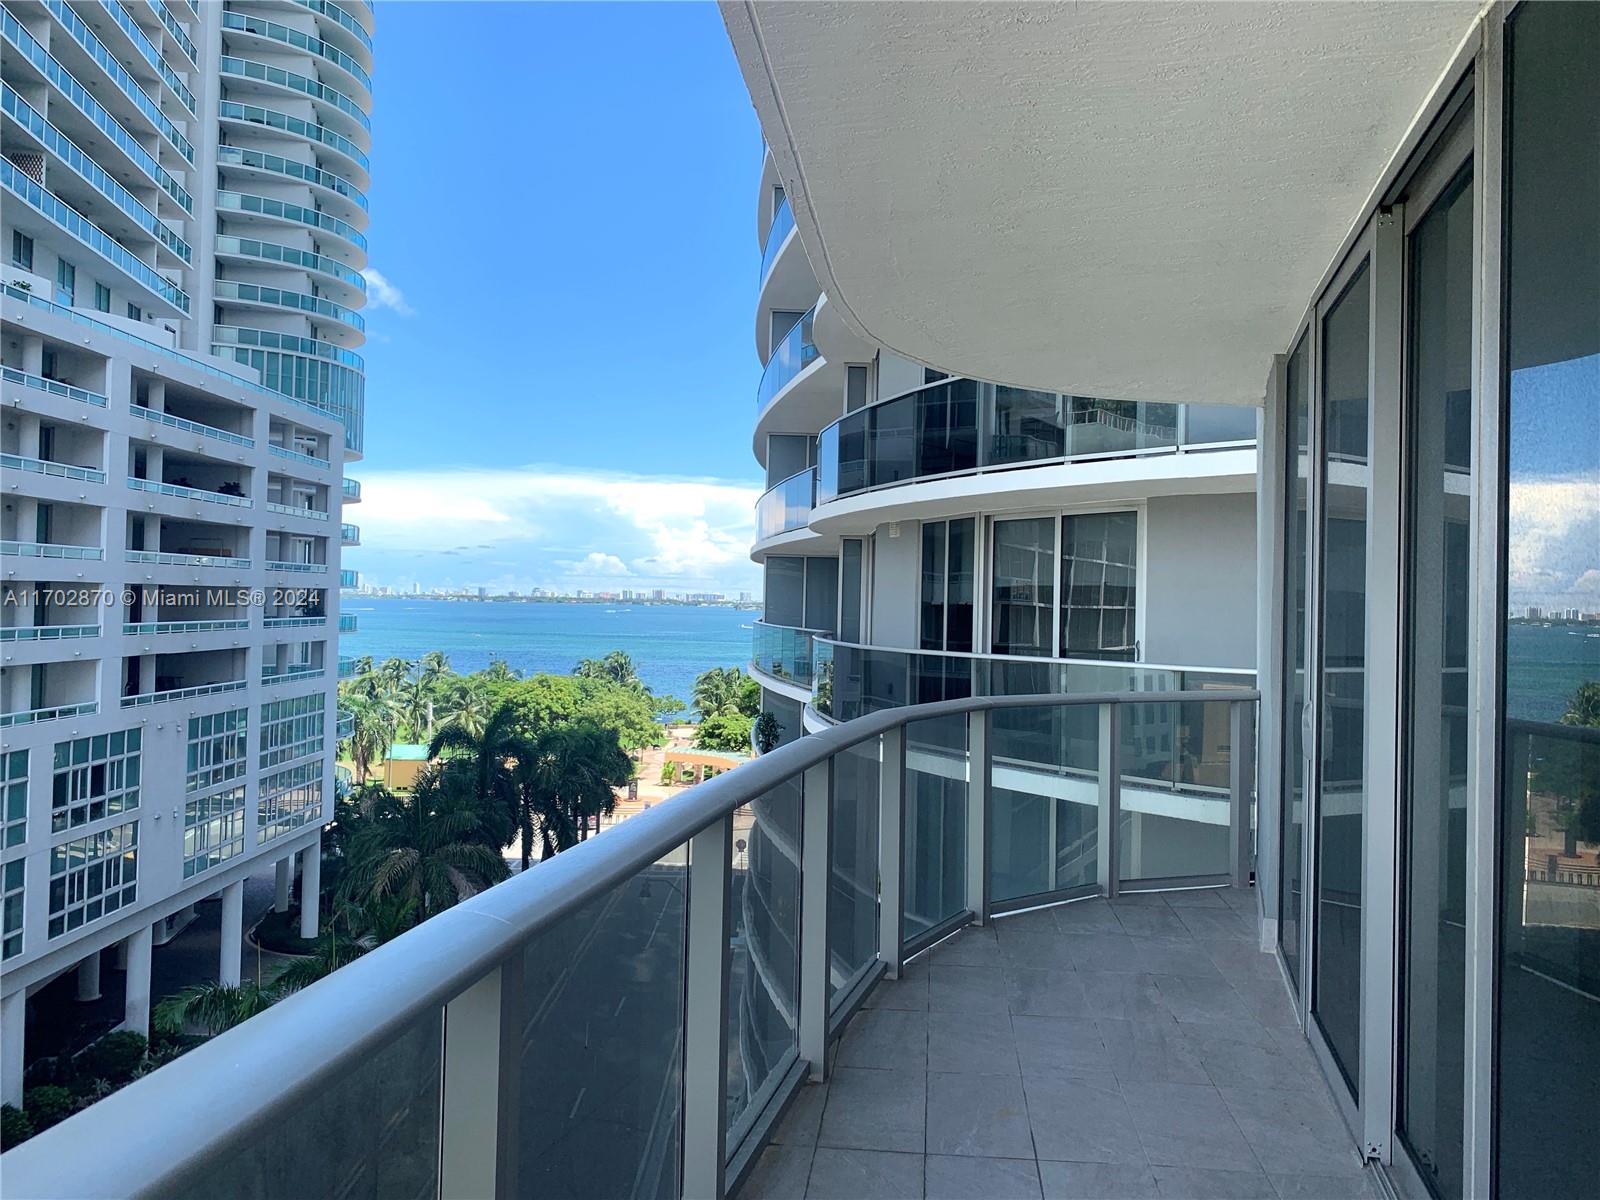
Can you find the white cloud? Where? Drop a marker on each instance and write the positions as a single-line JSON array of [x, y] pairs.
[[1553, 542], [383, 294], [541, 526]]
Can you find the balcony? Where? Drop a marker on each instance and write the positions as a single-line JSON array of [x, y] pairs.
[[963, 426], [309, 460], [345, 727], [50, 550], [789, 358], [139, 700], [302, 568], [786, 505], [347, 668], [194, 427], [327, 101], [47, 633], [287, 674], [30, 716], [293, 622], [349, 578], [349, 535], [851, 680], [777, 235], [296, 510], [154, 628], [165, 558], [782, 652], [350, 489], [40, 466], [54, 388], [347, 621], [183, 492], [799, 901]]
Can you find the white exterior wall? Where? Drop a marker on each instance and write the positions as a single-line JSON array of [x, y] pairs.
[[896, 577], [1199, 585]]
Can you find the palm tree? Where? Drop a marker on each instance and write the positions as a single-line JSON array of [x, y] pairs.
[[432, 671], [394, 673], [467, 707], [717, 689], [566, 781], [499, 671], [430, 849], [489, 753], [212, 1007], [617, 667], [435, 665], [374, 719]]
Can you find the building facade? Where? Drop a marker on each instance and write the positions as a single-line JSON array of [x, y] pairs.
[[184, 200]]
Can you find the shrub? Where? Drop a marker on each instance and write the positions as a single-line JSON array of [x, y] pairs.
[[48, 1105], [114, 1058], [15, 1127], [669, 774]]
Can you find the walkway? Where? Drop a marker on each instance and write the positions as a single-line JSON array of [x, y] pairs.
[[1093, 1051]]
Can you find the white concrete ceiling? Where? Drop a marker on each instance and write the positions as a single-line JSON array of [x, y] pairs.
[[1115, 199]]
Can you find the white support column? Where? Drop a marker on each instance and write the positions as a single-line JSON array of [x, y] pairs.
[[816, 855], [13, 1014], [1241, 786], [705, 1039], [474, 1031], [136, 1000], [979, 728], [89, 978], [891, 848], [283, 876], [232, 949], [310, 887], [1109, 851]]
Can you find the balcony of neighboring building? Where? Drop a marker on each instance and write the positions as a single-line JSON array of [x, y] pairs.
[[155, 541], [817, 369], [290, 661], [184, 675], [36, 532], [177, 416], [190, 483], [296, 608], [47, 691], [49, 619], [169, 617], [297, 499], [43, 375], [300, 444], [342, 26], [50, 459], [786, 283], [269, 295], [297, 554]]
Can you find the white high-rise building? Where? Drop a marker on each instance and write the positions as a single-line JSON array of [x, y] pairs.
[[184, 195], [927, 536]]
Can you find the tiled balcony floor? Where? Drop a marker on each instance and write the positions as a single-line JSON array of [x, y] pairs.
[[1094, 1051]]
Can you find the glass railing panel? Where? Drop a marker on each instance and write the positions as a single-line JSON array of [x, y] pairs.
[[934, 851], [782, 223], [602, 1044], [793, 354], [1105, 427], [891, 441], [1207, 423], [1044, 801], [1025, 425], [783, 652], [764, 942], [786, 505], [1175, 800], [853, 867], [369, 1131], [946, 428]]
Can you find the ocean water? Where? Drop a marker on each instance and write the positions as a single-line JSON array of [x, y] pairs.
[[670, 643], [1545, 665]]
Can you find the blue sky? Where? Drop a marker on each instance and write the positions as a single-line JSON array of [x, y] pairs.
[[561, 366]]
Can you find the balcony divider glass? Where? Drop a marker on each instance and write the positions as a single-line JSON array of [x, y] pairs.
[[961, 426], [631, 1018], [793, 354], [786, 505]]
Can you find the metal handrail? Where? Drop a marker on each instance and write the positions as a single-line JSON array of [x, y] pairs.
[[210, 431], [190, 1113]]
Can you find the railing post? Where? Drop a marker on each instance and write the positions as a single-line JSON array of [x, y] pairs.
[[979, 771], [1110, 832], [705, 1034], [482, 1063], [816, 858], [891, 832], [1241, 778]]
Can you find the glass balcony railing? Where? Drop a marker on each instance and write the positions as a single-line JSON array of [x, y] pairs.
[[782, 652], [341, 18], [733, 934], [347, 666], [90, 171], [183, 693], [309, 460], [254, 114], [851, 680], [264, 206], [782, 226], [40, 466], [787, 505], [350, 535], [289, 256], [271, 339], [259, 160], [170, 23], [246, 68], [350, 489], [345, 727], [165, 558], [53, 208], [50, 550], [151, 628], [287, 674], [299, 568], [40, 383], [293, 622], [147, 50], [55, 712], [961, 426], [296, 510], [195, 427], [47, 633], [792, 355], [271, 297], [348, 622], [241, 23], [92, 109], [191, 493], [349, 578]]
